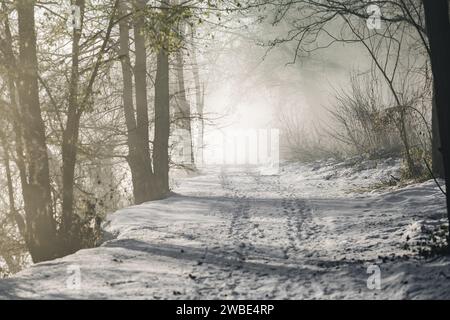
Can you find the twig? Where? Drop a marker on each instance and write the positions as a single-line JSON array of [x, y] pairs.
[[396, 179]]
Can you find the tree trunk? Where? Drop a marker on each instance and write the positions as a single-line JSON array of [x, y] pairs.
[[141, 159], [40, 221], [437, 162], [162, 122], [138, 158], [183, 111], [15, 117], [438, 28], [199, 100], [70, 225], [14, 215]]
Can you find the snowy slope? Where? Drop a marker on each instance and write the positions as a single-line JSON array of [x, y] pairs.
[[310, 232]]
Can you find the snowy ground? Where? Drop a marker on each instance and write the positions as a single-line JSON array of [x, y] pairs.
[[310, 232]]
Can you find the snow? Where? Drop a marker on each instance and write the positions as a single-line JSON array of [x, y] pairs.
[[310, 232]]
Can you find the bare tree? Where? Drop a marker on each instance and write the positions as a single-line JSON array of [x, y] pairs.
[[320, 24], [137, 122], [40, 221], [70, 226]]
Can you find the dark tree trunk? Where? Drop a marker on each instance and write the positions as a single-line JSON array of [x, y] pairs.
[[40, 221], [438, 29], [140, 78], [437, 161], [143, 157], [138, 158]]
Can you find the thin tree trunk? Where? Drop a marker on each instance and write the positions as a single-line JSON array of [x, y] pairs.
[[15, 112], [127, 97], [40, 221], [69, 145], [14, 214], [199, 100], [183, 114], [162, 122], [412, 168], [70, 225], [438, 29]]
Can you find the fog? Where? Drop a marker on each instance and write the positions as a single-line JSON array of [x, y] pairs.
[[252, 85]]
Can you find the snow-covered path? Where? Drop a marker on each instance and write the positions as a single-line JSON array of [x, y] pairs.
[[232, 233]]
